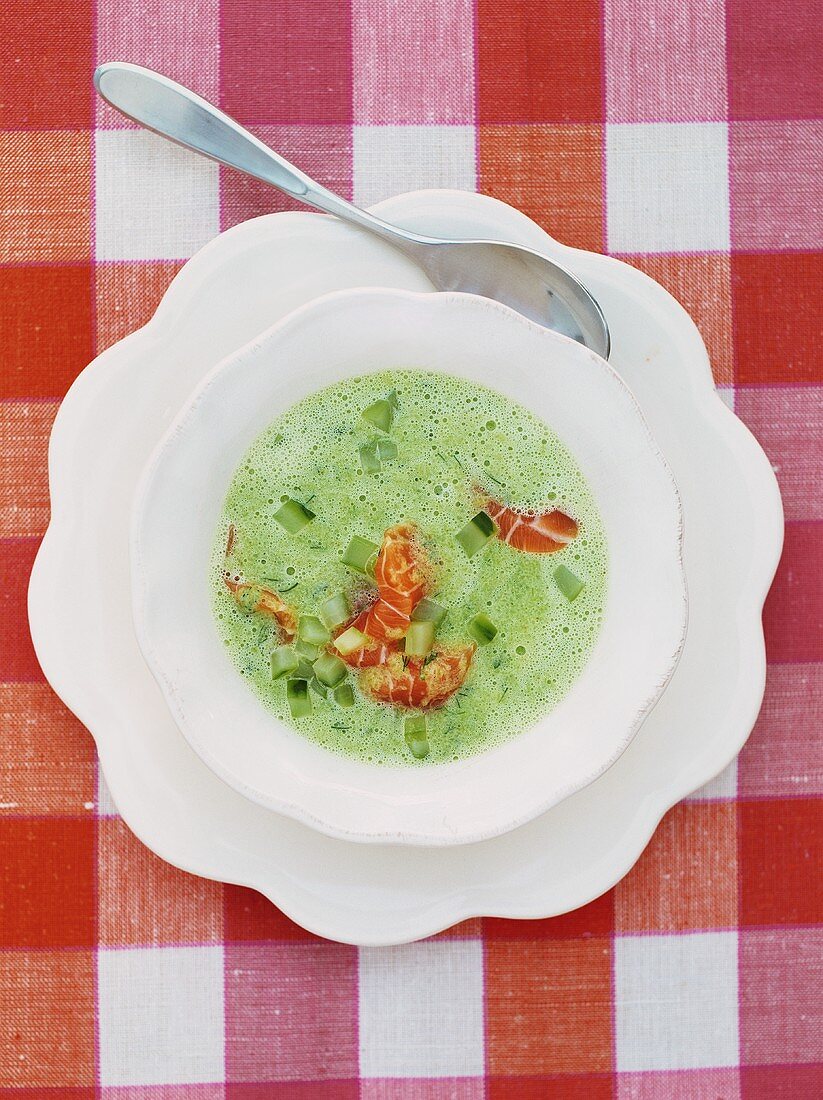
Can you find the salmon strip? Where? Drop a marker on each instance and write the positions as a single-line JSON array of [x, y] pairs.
[[387, 675], [402, 579], [265, 601], [371, 655], [400, 570], [417, 685], [532, 532], [384, 622]]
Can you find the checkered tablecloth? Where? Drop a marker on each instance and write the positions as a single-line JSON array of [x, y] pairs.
[[682, 135]]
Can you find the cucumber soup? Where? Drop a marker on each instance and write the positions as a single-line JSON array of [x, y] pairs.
[[410, 568]]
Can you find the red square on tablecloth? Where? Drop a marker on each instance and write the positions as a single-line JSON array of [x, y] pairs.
[[45, 325], [780, 855], [686, 879], [286, 63], [47, 872], [48, 761], [471, 929], [213, 1091], [144, 901], [46, 1019], [787, 421], [784, 755], [778, 316], [594, 919], [323, 151], [126, 296], [569, 1086], [17, 658], [552, 173], [781, 1019], [793, 614], [701, 282], [775, 185], [45, 78], [680, 1084], [781, 1082], [774, 49], [302, 998], [249, 916], [45, 196], [25, 427], [89, 1092], [539, 62], [549, 1007]]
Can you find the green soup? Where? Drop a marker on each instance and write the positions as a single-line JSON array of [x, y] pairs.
[[451, 436]]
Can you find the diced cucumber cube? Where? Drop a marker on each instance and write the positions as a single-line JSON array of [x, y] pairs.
[[416, 737], [349, 641], [369, 458], [360, 554], [482, 629], [319, 688], [380, 414], [304, 670], [310, 629], [427, 611], [476, 533], [307, 650], [283, 661], [293, 516], [334, 610], [419, 639], [329, 670], [570, 585], [297, 694], [344, 695]]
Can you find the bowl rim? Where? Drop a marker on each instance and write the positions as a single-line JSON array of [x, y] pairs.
[[293, 808]]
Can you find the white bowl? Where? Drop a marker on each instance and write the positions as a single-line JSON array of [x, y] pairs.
[[179, 502]]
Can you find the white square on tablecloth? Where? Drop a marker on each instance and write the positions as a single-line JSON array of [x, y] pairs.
[[391, 159], [667, 187], [105, 803], [153, 200], [723, 785], [726, 395], [161, 1015], [676, 1001], [421, 1010]]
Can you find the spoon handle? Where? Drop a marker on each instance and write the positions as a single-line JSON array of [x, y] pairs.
[[177, 113]]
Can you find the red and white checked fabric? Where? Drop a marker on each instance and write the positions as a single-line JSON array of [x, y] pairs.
[[685, 138]]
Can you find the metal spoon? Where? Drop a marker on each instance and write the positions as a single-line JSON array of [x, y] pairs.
[[519, 277]]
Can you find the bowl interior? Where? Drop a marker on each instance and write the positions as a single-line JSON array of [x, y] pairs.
[[179, 503]]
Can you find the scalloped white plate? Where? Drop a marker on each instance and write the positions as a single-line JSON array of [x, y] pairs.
[[80, 613], [179, 504]]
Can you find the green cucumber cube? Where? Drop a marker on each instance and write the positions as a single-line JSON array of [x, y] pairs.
[[293, 516], [570, 585], [297, 694]]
